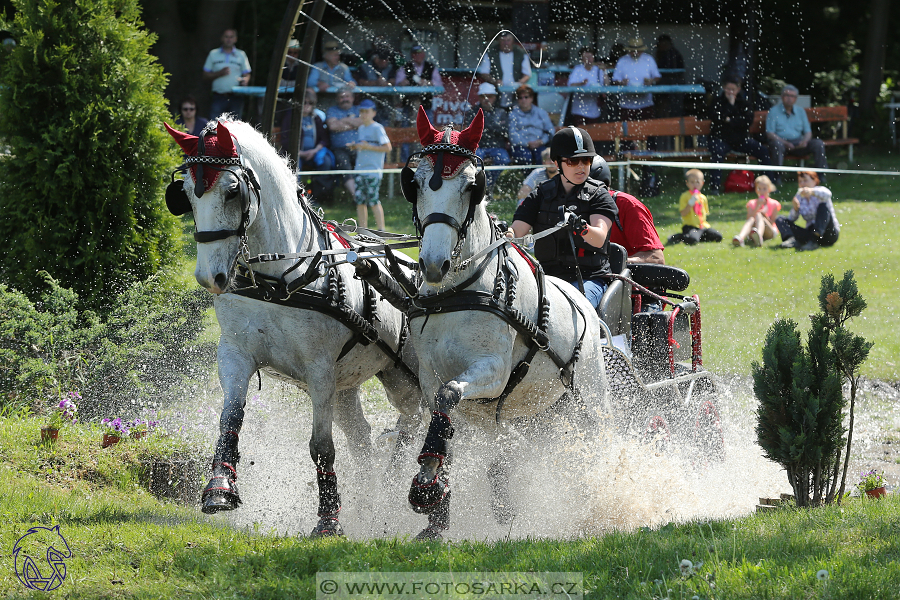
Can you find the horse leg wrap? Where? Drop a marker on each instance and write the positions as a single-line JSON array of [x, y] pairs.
[[221, 493], [425, 498], [329, 498], [439, 433]]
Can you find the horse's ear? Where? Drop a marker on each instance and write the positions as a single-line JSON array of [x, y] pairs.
[[425, 129], [187, 141], [223, 140], [471, 135]]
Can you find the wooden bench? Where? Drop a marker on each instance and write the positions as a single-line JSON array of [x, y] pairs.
[[399, 136]]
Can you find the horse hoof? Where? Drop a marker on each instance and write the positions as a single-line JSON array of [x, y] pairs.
[[327, 527], [432, 533], [213, 503], [424, 498]]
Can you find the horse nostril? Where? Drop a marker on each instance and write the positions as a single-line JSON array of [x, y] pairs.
[[421, 266], [221, 281], [445, 267]]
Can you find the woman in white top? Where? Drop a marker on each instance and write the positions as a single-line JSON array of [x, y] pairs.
[[813, 203], [584, 106]]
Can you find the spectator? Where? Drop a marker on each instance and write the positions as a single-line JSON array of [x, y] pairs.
[[314, 153], [668, 57], [505, 65], [189, 119], [330, 71], [291, 62], [585, 109], [633, 228], [813, 203], [732, 117], [530, 128], [495, 139], [370, 150], [539, 175], [418, 72], [594, 212], [227, 67], [377, 71], [694, 209], [760, 213], [343, 122], [789, 133], [636, 68]]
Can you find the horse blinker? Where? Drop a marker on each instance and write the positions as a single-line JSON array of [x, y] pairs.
[[177, 199]]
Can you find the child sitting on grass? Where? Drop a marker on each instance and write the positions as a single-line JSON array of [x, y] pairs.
[[761, 213], [371, 149], [694, 209]]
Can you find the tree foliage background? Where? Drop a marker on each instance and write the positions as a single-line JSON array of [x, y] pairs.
[[81, 107]]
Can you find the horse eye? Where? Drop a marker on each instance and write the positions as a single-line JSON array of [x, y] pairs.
[[232, 191]]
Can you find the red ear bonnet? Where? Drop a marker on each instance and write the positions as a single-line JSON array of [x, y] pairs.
[[219, 144], [468, 138]]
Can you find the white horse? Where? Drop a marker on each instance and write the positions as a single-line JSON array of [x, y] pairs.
[[314, 331], [489, 324]]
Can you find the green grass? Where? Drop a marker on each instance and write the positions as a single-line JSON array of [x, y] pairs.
[[743, 290], [126, 544]]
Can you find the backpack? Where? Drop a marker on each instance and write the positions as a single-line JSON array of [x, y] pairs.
[[739, 181]]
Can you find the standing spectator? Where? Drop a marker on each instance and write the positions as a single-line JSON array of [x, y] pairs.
[[343, 122], [539, 175], [585, 109], [694, 208], [189, 119], [813, 203], [636, 68], [314, 153], [731, 117], [788, 131], [495, 139], [505, 65], [330, 71], [530, 128], [370, 150], [668, 57], [227, 67]]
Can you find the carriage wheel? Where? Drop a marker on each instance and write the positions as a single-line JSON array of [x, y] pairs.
[[708, 437]]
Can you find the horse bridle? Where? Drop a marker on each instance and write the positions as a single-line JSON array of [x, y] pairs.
[[410, 188], [177, 199]]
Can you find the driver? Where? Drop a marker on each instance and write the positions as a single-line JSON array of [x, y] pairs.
[[587, 228]]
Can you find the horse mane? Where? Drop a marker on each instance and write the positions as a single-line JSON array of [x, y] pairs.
[[272, 168]]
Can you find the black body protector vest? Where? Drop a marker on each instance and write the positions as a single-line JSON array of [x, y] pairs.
[[427, 72], [555, 251]]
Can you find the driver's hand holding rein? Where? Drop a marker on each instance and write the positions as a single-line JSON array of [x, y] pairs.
[[594, 211]]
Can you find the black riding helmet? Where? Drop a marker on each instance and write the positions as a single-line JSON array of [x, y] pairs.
[[571, 142], [600, 171]]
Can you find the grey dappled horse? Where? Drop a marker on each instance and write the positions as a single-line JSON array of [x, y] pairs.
[[496, 340], [327, 334]]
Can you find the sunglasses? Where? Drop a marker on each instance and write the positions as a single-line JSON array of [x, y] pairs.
[[526, 96], [578, 161], [188, 108]]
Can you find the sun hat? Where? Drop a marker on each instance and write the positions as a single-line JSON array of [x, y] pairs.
[[293, 44], [331, 45], [487, 88], [417, 48], [367, 103], [636, 43]]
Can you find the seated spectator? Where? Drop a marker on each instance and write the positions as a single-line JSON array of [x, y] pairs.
[[188, 117], [788, 131], [633, 228], [585, 109], [731, 117], [330, 71], [694, 208], [539, 175], [760, 214], [377, 71], [495, 139], [505, 64], [343, 122], [530, 128], [314, 154], [813, 203], [291, 62]]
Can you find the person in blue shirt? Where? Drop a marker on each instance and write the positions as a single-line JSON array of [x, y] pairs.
[[371, 148], [343, 122], [330, 72], [788, 131], [530, 128]]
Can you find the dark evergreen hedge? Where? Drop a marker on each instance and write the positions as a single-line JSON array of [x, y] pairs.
[[81, 111]]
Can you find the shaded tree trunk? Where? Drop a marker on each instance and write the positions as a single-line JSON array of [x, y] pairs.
[[873, 58]]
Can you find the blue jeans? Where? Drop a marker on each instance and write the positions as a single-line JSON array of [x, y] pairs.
[[523, 155], [718, 148], [232, 103], [822, 230], [593, 290], [498, 156]]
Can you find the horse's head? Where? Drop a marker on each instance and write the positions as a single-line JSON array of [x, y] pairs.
[[218, 188], [447, 187]]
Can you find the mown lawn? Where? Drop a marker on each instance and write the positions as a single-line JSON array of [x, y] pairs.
[[126, 544]]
